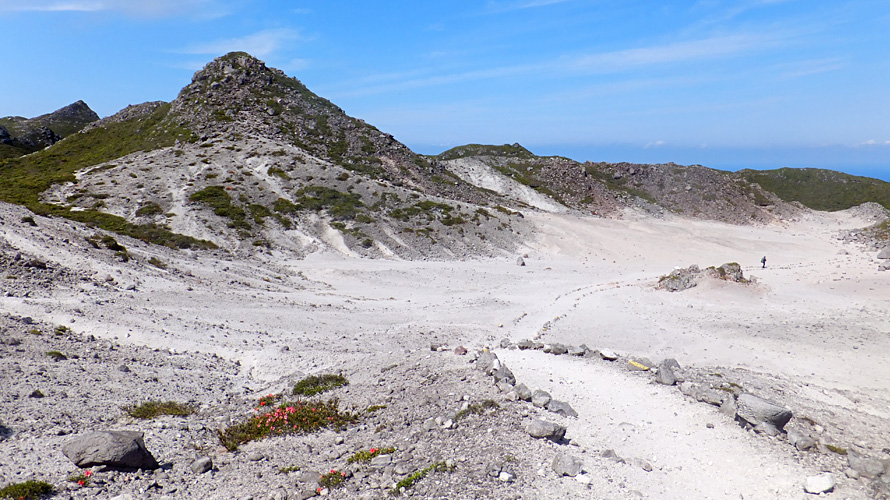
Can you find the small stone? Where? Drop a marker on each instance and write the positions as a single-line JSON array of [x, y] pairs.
[[539, 428], [202, 465], [506, 477], [561, 408], [460, 350], [540, 398], [566, 464], [255, 457], [823, 483]]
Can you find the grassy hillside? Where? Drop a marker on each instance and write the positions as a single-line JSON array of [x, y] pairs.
[[23, 179], [507, 150], [821, 189]]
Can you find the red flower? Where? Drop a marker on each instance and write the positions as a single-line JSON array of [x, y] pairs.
[[88, 473], [373, 450]]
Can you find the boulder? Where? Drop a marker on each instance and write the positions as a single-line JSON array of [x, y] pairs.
[[566, 464], [755, 410], [823, 483], [525, 344], [202, 465], [486, 362], [541, 429], [540, 398], [124, 449], [558, 349], [561, 408], [578, 351], [865, 466], [523, 392], [504, 375], [665, 374], [884, 254], [608, 354], [800, 440]]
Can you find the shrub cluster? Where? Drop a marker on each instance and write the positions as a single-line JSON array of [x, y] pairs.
[[317, 384], [152, 409], [288, 418]]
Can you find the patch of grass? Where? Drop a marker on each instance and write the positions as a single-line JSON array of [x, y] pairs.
[[836, 449], [477, 409], [82, 478], [820, 189], [217, 199], [152, 409], [366, 456], [29, 220], [35, 331], [158, 263], [149, 209], [29, 490], [289, 468], [507, 150], [288, 418], [312, 385], [277, 172], [409, 481], [62, 330], [373, 408], [57, 355], [332, 479], [338, 204]]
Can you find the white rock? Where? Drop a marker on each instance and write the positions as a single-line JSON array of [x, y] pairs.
[[822, 483]]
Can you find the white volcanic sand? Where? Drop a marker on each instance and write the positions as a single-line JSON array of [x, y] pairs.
[[816, 318]]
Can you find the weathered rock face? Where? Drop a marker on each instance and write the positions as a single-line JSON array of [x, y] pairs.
[[684, 279], [566, 464], [541, 429], [756, 411], [110, 448]]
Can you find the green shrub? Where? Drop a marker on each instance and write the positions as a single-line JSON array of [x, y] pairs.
[[366, 456], [29, 490], [409, 481], [158, 263], [288, 418], [62, 330], [217, 199], [477, 409], [312, 385], [56, 355], [333, 479], [152, 409]]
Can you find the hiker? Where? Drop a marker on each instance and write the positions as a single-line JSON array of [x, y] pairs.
[[763, 261]]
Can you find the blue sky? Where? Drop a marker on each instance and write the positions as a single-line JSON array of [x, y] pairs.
[[726, 84]]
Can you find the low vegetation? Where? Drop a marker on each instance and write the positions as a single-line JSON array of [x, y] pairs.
[[477, 409], [820, 189], [288, 418], [28, 490], [317, 384], [411, 480], [152, 409], [366, 456]]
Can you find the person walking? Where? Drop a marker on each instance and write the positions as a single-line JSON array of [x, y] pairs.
[[763, 261]]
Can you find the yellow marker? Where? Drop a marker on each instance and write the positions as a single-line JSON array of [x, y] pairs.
[[638, 365]]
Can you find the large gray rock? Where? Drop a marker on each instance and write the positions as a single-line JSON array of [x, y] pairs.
[[540, 398], [558, 349], [755, 410], [665, 374], [503, 374], [523, 392], [202, 465], [487, 361], [800, 440], [884, 254], [561, 408], [823, 483], [865, 466], [608, 354], [540, 429], [110, 448], [566, 464]]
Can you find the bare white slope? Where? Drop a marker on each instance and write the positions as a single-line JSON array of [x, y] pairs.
[[479, 174], [815, 324]]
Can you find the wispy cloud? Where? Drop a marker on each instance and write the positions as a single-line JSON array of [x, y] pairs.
[[260, 44], [693, 50], [712, 48], [800, 69], [148, 8], [654, 144]]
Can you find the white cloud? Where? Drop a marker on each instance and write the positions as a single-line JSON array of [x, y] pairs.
[[655, 144], [259, 44], [693, 50], [500, 7], [145, 8]]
